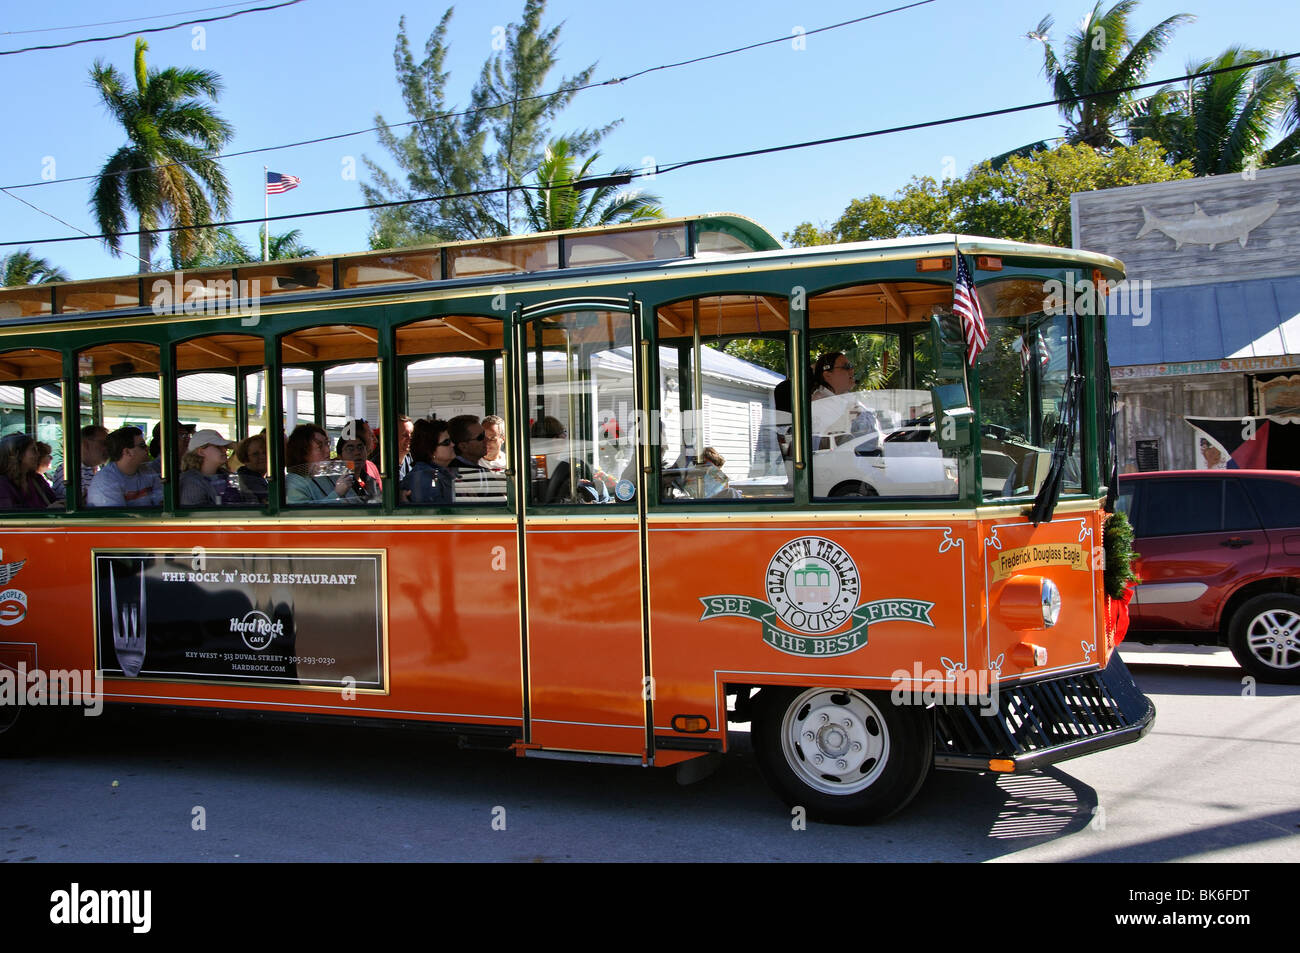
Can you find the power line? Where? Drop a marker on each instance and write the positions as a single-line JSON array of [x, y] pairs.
[[476, 193], [808, 143], [87, 26], [152, 29], [75, 228], [753, 46], [582, 183], [478, 109]]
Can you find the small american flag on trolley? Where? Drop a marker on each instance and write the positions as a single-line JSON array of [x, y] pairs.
[[1025, 345], [966, 305], [277, 183]]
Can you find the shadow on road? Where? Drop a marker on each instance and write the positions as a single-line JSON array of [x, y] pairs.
[[300, 792]]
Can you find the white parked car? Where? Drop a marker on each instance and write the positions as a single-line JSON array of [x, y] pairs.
[[902, 462]]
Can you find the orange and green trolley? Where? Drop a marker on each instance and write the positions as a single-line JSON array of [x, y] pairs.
[[744, 485]]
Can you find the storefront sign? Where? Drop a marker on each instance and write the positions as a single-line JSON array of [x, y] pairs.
[[1233, 365]]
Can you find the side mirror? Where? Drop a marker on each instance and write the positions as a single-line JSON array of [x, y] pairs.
[[954, 418]]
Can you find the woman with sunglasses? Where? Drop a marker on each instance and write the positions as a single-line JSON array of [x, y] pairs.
[[429, 481], [840, 411], [832, 374]]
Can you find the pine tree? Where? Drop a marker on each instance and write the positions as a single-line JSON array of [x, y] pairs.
[[499, 139]]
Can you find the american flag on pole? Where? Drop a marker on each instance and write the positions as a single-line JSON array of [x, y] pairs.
[[277, 183], [966, 305]]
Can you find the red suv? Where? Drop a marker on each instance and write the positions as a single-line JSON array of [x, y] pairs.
[[1219, 563]]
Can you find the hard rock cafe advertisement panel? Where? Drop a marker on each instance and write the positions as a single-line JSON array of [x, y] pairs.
[[268, 618]]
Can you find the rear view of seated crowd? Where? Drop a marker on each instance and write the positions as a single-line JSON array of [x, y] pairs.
[[440, 462]]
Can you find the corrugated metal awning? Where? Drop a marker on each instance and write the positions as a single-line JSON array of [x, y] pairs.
[[1225, 320]]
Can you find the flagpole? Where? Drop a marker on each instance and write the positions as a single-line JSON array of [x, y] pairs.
[[266, 218], [965, 374]]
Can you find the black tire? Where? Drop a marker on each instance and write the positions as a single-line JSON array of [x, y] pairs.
[[873, 763], [1264, 636], [852, 488]]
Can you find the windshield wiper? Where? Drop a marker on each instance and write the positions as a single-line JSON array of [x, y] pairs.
[[1067, 427]]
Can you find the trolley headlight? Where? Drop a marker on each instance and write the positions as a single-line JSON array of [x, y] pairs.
[[1029, 602], [1051, 603]]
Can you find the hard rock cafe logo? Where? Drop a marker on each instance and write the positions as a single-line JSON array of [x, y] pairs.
[[812, 588], [256, 629]]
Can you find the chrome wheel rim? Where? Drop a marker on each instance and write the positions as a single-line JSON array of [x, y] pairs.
[[1273, 637], [835, 741]]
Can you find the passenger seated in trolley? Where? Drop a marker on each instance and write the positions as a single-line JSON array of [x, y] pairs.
[[125, 480], [432, 452], [494, 435], [353, 452], [183, 432], [205, 479], [475, 483], [310, 475], [94, 454], [21, 486], [250, 453], [555, 458]]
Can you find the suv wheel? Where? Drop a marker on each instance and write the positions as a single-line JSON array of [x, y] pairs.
[[1265, 637]]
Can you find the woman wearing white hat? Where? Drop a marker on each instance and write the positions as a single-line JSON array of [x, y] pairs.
[[205, 481]]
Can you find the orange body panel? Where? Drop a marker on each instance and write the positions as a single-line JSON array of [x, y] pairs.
[[585, 661], [908, 602], [452, 628]]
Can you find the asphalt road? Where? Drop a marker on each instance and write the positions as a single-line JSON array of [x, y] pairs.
[[1218, 779]]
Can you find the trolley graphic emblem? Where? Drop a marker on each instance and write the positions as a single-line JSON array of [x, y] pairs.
[[813, 593]]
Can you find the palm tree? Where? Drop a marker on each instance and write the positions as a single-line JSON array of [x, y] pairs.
[[286, 245], [1287, 151], [559, 205], [1219, 123], [209, 248], [214, 247], [1100, 56], [165, 172], [24, 268]]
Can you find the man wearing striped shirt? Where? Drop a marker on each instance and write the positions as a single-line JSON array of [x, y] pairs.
[[475, 483]]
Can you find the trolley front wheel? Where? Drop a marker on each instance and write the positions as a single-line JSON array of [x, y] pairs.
[[847, 757]]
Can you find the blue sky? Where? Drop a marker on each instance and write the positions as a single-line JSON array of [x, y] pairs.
[[325, 66]]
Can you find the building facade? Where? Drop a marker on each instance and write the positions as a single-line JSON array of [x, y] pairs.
[[1205, 337]]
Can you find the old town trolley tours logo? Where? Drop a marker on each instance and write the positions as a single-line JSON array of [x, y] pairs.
[[813, 591]]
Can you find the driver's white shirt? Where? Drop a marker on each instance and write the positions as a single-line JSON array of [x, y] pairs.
[[841, 413]]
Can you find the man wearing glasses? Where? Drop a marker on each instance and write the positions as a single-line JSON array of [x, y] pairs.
[[475, 483], [124, 480]]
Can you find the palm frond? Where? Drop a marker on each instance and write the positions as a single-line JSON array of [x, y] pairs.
[[167, 173]]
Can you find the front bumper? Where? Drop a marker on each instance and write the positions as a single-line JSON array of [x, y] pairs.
[[1041, 723]]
